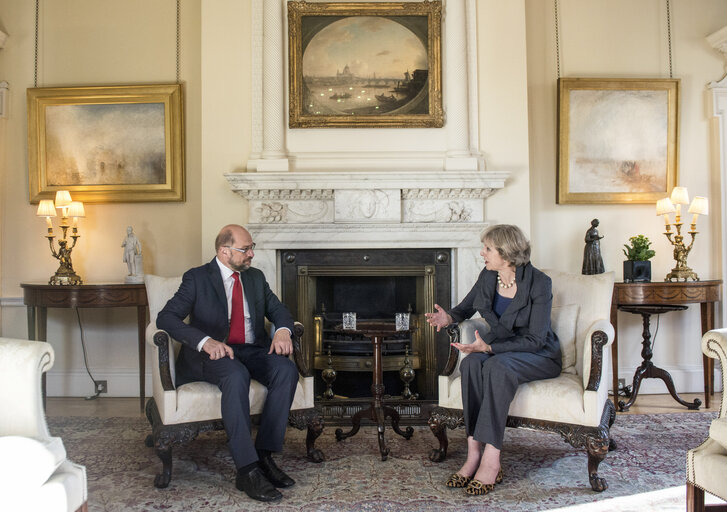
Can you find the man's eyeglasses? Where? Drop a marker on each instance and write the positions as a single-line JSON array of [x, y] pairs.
[[243, 250]]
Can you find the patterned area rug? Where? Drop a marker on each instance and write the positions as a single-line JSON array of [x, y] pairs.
[[542, 472]]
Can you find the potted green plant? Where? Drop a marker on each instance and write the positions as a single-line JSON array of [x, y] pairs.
[[637, 267]]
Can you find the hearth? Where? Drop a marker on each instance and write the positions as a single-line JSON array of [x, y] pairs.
[[318, 286]]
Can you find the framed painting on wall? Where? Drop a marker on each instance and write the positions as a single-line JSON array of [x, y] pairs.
[[617, 139], [106, 144], [365, 64]]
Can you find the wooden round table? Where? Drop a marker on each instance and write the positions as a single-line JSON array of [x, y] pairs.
[[377, 411]]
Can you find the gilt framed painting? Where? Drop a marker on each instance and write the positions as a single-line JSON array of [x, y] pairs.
[[106, 144], [365, 64], [617, 139]]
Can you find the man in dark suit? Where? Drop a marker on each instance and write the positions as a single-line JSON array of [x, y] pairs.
[[225, 343]]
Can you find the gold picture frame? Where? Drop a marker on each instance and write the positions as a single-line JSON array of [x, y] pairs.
[[107, 144], [617, 140], [372, 85]]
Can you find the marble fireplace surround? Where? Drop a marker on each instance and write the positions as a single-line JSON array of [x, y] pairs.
[[366, 188], [369, 210]]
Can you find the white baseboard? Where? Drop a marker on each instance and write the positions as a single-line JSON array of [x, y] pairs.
[[687, 379], [120, 383]]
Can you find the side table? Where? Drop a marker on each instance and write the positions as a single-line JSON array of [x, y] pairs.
[[377, 411], [704, 293], [39, 297]]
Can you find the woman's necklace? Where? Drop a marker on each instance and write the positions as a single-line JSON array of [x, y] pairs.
[[505, 285]]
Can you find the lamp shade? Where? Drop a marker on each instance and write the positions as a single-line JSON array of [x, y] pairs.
[[699, 205], [46, 208], [75, 209], [63, 198], [664, 206], [679, 195]]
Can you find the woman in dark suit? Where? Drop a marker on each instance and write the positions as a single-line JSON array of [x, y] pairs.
[[515, 299]]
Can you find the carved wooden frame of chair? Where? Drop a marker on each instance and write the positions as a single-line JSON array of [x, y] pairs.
[[596, 440], [164, 437]]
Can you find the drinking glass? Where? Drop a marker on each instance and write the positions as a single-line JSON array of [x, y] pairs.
[[402, 321], [349, 320]]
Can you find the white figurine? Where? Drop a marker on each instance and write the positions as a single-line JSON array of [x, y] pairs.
[[133, 257]]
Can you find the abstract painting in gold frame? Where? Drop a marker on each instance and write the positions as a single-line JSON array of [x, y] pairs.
[[617, 139], [365, 64], [106, 144]]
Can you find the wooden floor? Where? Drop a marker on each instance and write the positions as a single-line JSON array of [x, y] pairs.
[[129, 407]]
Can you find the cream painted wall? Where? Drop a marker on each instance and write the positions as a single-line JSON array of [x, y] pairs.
[[503, 109], [95, 42], [622, 38], [133, 42]]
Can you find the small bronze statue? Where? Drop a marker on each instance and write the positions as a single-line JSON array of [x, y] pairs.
[[592, 261]]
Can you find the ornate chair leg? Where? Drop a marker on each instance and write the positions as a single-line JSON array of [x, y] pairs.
[[597, 449], [438, 423], [311, 419], [162, 479], [315, 428]]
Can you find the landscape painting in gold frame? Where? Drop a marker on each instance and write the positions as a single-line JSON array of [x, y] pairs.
[[365, 64], [617, 139], [106, 144]]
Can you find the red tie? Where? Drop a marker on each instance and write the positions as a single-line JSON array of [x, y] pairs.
[[237, 316]]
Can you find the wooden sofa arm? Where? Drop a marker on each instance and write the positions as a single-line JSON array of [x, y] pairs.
[[600, 335], [297, 352], [161, 340], [453, 333]]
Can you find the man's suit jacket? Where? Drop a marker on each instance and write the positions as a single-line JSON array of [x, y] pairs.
[[525, 324], [201, 296]]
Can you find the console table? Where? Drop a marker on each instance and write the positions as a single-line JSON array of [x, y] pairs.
[[39, 297], [659, 297], [377, 411]]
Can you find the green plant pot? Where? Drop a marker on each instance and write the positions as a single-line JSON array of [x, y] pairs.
[[637, 271]]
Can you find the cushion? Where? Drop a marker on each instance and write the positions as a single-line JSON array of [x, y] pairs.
[[718, 431], [28, 463], [563, 322]]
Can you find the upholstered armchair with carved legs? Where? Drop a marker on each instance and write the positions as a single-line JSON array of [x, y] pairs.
[[575, 404], [35, 473], [707, 463], [178, 414]]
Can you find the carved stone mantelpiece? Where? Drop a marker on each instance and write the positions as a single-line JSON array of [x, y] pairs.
[[366, 197]]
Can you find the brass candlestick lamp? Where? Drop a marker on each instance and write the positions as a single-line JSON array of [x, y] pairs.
[[699, 206], [65, 275]]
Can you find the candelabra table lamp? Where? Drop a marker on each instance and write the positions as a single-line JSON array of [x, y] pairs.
[[664, 207], [65, 275]]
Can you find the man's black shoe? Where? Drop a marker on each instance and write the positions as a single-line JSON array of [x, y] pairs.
[[273, 473], [255, 485]]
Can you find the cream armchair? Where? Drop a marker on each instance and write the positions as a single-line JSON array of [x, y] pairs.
[[574, 404], [178, 415], [35, 474], [707, 463]]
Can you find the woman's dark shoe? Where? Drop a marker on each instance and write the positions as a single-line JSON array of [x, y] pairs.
[[477, 488], [255, 485], [458, 481], [273, 473]]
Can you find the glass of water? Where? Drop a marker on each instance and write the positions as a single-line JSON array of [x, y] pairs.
[[349, 320], [402, 321]]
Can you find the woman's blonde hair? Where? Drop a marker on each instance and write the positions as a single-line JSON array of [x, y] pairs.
[[510, 243]]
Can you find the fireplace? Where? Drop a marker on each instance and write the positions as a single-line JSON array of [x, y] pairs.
[[318, 286], [396, 237]]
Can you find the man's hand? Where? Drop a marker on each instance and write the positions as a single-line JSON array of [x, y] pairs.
[[217, 350], [477, 346], [281, 344]]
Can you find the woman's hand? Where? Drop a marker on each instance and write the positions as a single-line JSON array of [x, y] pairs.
[[477, 346], [439, 319]]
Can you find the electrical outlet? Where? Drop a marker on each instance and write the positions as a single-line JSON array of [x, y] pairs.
[[101, 386], [621, 383]]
